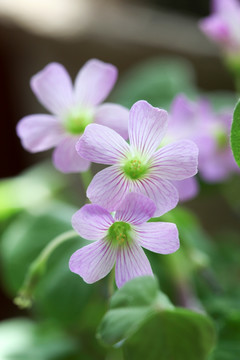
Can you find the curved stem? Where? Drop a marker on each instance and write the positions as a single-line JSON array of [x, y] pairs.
[[37, 268]]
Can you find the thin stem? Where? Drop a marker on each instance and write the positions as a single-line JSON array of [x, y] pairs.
[[37, 269], [86, 177]]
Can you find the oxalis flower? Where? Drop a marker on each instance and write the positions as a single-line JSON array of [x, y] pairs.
[[210, 131], [223, 25], [73, 108], [139, 167], [119, 239]]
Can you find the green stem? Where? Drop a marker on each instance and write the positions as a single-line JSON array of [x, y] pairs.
[[111, 279], [37, 269], [86, 177]]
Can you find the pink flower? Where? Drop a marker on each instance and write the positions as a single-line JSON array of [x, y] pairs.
[[73, 108], [210, 131], [223, 26], [119, 239], [138, 167]]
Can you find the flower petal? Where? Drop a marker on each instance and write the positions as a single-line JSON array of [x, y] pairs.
[[216, 28], [161, 191], [101, 144], [135, 209], [147, 127], [176, 161], [53, 88], [92, 222], [159, 237], [93, 262], [66, 158], [94, 82], [131, 262], [114, 116], [39, 132], [187, 188], [108, 188]]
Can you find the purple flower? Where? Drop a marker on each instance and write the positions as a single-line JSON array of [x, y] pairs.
[[73, 108], [210, 131], [223, 26], [119, 239], [139, 167]]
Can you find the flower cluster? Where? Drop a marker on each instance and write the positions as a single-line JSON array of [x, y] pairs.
[[210, 131], [138, 184]]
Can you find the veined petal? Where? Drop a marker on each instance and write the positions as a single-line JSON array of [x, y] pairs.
[[187, 188], [94, 82], [101, 144], [161, 191], [39, 132], [53, 88], [176, 161], [147, 127], [159, 237], [93, 262], [108, 188], [114, 116], [92, 222], [131, 262], [66, 158], [135, 209]]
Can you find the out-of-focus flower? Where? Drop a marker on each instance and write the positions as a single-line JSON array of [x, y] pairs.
[[119, 239], [139, 167], [223, 25], [210, 131], [73, 108]]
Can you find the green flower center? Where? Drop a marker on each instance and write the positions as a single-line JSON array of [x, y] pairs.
[[135, 168], [77, 120], [120, 233], [222, 139]]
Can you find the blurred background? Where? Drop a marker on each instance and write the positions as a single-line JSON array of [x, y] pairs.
[[136, 36]]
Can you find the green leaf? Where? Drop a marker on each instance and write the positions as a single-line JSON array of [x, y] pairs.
[[235, 134], [30, 189], [181, 335], [146, 324], [60, 294], [229, 339], [22, 339]]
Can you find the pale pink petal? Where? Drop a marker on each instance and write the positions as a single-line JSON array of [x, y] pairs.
[[131, 262], [66, 158], [53, 88], [39, 132], [101, 144], [158, 237], [225, 6], [94, 82], [187, 189], [108, 188], [93, 262], [147, 127], [162, 192], [176, 161], [216, 29], [92, 222], [114, 116], [135, 209]]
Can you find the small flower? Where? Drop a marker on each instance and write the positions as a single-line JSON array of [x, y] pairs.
[[119, 239], [138, 167], [210, 131], [73, 108], [223, 26]]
